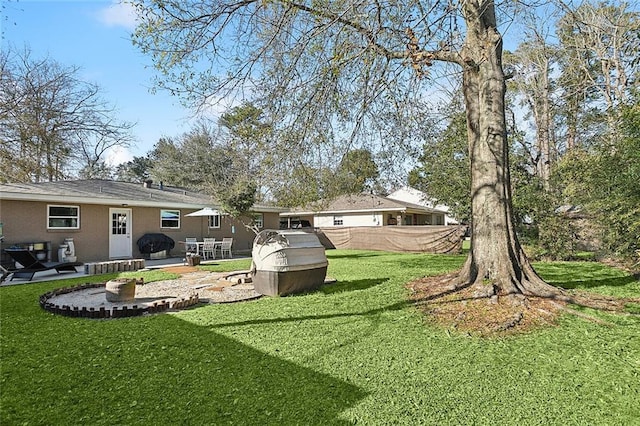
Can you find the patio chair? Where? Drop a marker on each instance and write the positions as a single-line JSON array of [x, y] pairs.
[[209, 248], [225, 246], [191, 245], [31, 264]]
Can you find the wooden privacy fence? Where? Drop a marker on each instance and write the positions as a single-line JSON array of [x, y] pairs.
[[421, 239]]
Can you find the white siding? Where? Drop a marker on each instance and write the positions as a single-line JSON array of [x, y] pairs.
[[413, 196], [349, 219], [321, 221]]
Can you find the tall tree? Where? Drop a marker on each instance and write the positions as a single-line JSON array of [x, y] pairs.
[[201, 160], [52, 124], [532, 65], [96, 170], [444, 169], [136, 170], [356, 173], [332, 62], [600, 67], [605, 183], [194, 160], [245, 132], [301, 185]]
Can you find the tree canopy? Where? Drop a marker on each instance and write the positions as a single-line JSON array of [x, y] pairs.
[[53, 125], [201, 160], [444, 169]]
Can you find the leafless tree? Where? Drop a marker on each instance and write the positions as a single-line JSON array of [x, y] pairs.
[[52, 123], [532, 64], [600, 67]]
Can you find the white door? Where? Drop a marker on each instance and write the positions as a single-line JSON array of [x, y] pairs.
[[120, 245]]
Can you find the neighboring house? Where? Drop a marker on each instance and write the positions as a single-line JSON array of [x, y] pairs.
[[369, 222], [105, 218], [364, 210], [412, 195]]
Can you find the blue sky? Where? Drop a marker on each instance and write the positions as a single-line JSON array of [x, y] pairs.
[[94, 35]]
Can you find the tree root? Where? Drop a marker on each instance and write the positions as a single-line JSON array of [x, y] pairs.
[[482, 307], [515, 320]]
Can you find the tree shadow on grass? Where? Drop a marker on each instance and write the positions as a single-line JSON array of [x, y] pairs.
[[353, 285], [589, 275], [346, 314], [166, 370], [438, 262], [334, 255], [604, 282]]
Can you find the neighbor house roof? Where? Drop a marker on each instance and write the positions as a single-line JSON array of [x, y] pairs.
[[415, 196], [108, 192], [361, 204]]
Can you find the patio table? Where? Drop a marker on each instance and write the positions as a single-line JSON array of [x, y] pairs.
[[199, 245]]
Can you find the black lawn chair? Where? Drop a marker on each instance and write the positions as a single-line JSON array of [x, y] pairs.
[[32, 264]]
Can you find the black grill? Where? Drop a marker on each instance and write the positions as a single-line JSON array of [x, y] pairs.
[[153, 243]]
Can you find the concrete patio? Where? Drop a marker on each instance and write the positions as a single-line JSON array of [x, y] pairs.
[[52, 275]]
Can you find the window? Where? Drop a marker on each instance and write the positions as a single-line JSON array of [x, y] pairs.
[[63, 217], [170, 219], [294, 222], [214, 221], [118, 224], [258, 220], [337, 221]]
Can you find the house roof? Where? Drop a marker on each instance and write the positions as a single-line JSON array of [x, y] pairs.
[[412, 195], [108, 192], [361, 203]]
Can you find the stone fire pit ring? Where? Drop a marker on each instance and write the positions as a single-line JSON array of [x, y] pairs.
[[126, 297], [64, 301]]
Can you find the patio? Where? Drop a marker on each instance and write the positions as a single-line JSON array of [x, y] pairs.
[[149, 264]]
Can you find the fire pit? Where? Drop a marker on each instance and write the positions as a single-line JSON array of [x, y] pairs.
[[190, 289], [120, 290]]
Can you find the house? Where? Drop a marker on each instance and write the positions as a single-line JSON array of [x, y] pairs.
[[365, 210], [105, 219], [412, 195], [370, 222]]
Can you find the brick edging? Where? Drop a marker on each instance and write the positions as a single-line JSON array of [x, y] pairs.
[[105, 313]]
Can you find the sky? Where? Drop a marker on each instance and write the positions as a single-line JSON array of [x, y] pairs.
[[94, 35]]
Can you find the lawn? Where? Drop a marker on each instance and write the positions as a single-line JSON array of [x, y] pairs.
[[353, 352]]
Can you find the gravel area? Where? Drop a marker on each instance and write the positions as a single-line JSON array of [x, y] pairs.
[[210, 288]]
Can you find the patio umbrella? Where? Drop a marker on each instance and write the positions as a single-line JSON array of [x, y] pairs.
[[207, 211]]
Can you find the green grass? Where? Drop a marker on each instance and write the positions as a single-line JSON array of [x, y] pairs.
[[352, 352]]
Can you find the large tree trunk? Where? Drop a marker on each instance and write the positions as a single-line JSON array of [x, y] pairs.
[[496, 262]]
